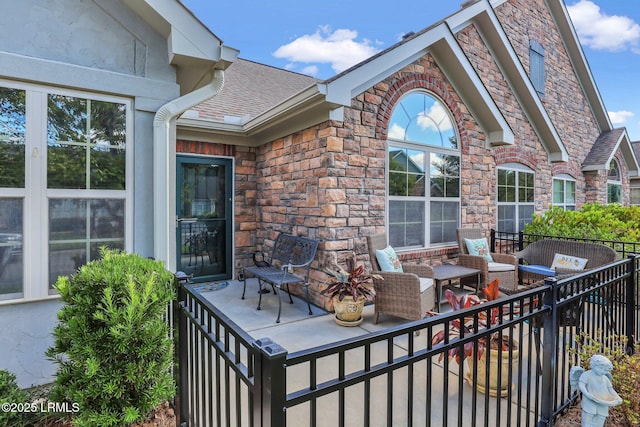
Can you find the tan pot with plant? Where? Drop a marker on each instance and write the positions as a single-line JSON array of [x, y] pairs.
[[349, 289], [348, 312], [476, 355], [498, 361]]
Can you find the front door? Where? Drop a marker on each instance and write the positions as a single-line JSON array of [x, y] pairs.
[[204, 210]]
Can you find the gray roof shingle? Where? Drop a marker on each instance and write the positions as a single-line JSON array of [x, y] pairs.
[[250, 89], [603, 148]]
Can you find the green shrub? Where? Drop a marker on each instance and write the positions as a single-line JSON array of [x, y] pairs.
[[10, 393], [592, 221], [112, 345]]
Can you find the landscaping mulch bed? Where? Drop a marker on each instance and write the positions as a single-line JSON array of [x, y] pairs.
[[572, 418]]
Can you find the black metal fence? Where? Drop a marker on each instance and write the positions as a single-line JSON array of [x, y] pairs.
[[510, 242], [399, 376]]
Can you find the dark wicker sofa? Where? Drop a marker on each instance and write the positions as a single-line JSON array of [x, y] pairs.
[[538, 257]]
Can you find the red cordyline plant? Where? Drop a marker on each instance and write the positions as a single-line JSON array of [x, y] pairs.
[[456, 326], [351, 281]]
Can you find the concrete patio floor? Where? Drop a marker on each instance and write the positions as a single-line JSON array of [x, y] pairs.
[[299, 331]]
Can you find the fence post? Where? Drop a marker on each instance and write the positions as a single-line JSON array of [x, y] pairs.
[[182, 372], [549, 352], [520, 240], [631, 302], [270, 384], [493, 240]]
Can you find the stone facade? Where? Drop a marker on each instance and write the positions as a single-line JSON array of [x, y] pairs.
[[327, 182]]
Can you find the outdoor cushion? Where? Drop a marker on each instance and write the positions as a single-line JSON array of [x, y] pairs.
[[538, 269], [500, 266], [568, 262], [479, 247], [388, 259], [425, 283]]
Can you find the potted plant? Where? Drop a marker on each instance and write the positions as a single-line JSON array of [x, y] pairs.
[[499, 344], [349, 289]]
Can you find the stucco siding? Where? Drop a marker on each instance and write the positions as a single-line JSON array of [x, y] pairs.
[[103, 35], [99, 47]]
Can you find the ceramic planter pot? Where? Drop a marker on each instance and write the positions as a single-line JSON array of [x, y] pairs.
[[495, 389], [348, 312]]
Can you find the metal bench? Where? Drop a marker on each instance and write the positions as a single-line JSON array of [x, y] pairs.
[[289, 252]]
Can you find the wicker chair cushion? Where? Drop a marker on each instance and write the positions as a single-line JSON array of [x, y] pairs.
[[568, 262], [538, 269], [479, 247], [499, 266], [388, 260], [425, 283]]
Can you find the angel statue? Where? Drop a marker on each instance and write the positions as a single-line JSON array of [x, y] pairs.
[[597, 391]]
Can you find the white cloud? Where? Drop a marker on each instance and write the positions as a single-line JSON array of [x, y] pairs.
[[436, 118], [396, 131], [620, 117], [339, 48], [311, 70], [600, 31]]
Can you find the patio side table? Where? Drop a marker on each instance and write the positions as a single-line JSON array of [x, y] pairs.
[[448, 272]]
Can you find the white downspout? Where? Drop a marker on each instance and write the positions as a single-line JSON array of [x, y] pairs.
[[164, 171]]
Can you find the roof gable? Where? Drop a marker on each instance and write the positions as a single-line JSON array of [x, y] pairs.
[[605, 148], [440, 42], [191, 46]]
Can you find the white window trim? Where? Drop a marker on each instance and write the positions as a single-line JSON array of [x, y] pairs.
[[35, 238]]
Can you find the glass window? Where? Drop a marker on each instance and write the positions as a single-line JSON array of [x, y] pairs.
[[635, 196], [77, 230], [86, 143], [564, 193], [423, 153], [614, 183], [75, 190], [516, 191], [11, 269], [13, 121]]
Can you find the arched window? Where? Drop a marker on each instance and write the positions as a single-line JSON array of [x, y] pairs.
[[614, 183], [423, 155]]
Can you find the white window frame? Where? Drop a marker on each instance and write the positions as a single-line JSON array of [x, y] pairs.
[[515, 167], [564, 179], [36, 195]]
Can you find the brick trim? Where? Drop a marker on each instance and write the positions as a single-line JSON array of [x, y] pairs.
[[515, 154]]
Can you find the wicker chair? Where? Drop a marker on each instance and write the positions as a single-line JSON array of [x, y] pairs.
[[542, 252], [408, 295], [504, 266]]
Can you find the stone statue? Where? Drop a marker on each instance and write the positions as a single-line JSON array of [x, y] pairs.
[[597, 392]]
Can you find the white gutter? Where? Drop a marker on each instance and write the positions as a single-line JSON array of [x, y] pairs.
[[164, 171]]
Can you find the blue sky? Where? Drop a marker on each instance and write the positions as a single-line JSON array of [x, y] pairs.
[[322, 39]]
